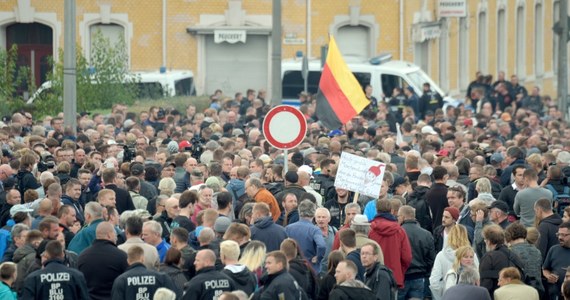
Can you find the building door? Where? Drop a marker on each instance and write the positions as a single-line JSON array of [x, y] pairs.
[[35, 47], [354, 41], [237, 67]]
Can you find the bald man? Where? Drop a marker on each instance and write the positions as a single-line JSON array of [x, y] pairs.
[[5, 172], [171, 211], [208, 283], [102, 262]]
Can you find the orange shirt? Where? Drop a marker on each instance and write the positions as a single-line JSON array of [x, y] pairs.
[[266, 197]]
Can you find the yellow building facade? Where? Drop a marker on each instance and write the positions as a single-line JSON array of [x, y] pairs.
[[227, 43]]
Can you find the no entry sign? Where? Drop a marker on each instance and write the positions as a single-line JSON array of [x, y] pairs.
[[284, 127]]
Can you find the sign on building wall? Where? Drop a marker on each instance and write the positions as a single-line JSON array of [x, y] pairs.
[[425, 31], [229, 36], [452, 8]]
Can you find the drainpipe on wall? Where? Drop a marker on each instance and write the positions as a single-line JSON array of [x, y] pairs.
[[163, 67], [308, 41], [401, 29]]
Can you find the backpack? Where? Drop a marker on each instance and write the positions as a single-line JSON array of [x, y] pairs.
[[560, 200], [393, 285]]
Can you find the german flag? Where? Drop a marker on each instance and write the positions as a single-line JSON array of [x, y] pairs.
[[340, 96]]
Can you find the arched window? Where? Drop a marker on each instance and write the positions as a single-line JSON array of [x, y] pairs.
[[502, 40], [114, 32], [520, 43], [482, 42], [354, 41], [538, 40]]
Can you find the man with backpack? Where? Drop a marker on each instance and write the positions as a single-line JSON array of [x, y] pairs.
[[377, 276], [558, 185], [497, 257]]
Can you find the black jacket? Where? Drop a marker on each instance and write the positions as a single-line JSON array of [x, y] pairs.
[[55, 279], [25, 180], [280, 285], [122, 197], [492, 263], [166, 223], [381, 282], [417, 201], [348, 293], [244, 280], [208, 284], [436, 199], [101, 264], [139, 283], [323, 184], [266, 231], [438, 238], [548, 228], [326, 285], [304, 276], [176, 275], [423, 251]]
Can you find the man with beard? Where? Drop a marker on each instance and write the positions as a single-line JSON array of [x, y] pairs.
[[558, 257]]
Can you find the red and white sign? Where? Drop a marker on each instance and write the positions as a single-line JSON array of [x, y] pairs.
[[284, 127]]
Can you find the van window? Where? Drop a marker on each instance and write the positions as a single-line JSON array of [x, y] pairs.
[[152, 90], [183, 87], [293, 82], [389, 82], [418, 78]]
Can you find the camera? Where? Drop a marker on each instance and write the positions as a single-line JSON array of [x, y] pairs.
[[129, 153], [46, 162], [197, 147], [161, 113]]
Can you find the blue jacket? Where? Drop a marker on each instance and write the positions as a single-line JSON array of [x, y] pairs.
[[84, 238], [6, 292], [266, 231], [310, 240], [236, 187]]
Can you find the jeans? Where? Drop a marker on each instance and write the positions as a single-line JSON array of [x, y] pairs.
[[412, 289]]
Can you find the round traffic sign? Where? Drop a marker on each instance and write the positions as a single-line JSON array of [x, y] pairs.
[[284, 127]]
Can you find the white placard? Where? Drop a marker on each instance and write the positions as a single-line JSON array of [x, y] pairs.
[[359, 174], [229, 36], [452, 8]]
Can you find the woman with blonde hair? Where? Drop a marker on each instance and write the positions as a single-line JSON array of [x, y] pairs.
[[464, 257], [483, 188], [456, 239], [253, 258]]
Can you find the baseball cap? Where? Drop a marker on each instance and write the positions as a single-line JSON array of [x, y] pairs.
[[442, 152], [360, 220], [497, 157], [501, 205], [428, 130], [221, 225], [335, 132], [183, 145], [137, 169], [563, 157], [19, 208]]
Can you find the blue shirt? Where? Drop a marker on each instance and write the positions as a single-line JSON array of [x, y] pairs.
[[310, 240], [162, 249]]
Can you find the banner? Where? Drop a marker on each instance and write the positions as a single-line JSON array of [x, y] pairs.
[[359, 174]]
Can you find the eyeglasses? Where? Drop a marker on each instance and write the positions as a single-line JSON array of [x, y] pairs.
[[562, 234]]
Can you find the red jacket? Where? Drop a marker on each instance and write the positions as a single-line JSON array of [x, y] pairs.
[[395, 245]]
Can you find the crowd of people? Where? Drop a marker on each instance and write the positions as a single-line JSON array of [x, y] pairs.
[[169, 204]]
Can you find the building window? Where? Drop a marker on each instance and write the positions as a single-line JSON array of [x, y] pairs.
[[538, 40], [444, 57], [421, 55], [463, 57], [501, 41], [114, 32], [354, 41], [482, 43], [556, 38], [520, 43]]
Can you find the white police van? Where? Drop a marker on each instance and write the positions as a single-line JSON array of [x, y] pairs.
[[150, 85], [381, 73]]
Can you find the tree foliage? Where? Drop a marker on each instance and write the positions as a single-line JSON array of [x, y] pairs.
[[15, 81], [102, 80]]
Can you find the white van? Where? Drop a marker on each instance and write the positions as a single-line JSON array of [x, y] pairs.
[[150, 85], [381, 74]]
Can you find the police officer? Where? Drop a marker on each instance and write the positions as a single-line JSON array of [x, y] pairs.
[[208, 283], [138, 282], [55, 280]]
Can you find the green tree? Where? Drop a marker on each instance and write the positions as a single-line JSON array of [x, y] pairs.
[[15, 81], [102, 81]]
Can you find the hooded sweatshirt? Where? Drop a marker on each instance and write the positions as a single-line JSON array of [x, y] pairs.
[[266, 231], [243, 278], [443, 262], [24, 257], [548, 227], [394, 242]]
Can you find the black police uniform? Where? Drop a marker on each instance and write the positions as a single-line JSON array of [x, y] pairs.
[[55, 281], [208, 284], [139, 283]]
